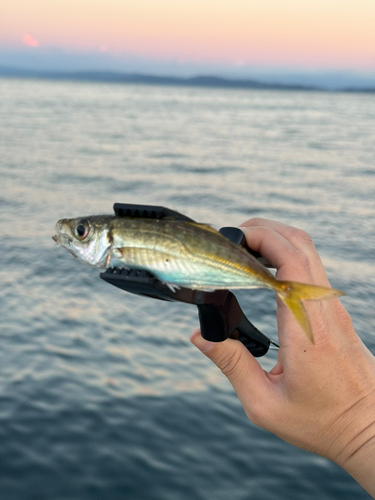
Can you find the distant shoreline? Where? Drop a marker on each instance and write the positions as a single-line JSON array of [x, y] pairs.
[[138, 78]]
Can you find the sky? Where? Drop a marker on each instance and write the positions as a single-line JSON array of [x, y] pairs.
[[232, 36]]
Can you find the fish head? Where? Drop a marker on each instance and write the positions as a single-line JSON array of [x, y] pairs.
[[86, 238]]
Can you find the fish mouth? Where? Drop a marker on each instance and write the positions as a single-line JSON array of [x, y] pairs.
[[62, 240]]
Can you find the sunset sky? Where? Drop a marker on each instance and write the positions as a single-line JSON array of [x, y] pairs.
[[299, 34]]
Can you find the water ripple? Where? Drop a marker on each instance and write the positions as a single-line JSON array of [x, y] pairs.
[[102, 395]]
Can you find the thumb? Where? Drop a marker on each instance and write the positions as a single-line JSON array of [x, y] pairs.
[[237, 364]]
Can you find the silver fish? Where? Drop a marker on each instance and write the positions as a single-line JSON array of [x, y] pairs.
[[180, 254]]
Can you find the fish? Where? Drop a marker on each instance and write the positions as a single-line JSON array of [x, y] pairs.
[[180, 254]]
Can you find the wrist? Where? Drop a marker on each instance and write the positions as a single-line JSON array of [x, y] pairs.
[[358, 455]]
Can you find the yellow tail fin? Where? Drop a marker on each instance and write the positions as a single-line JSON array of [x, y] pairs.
[[291, 293]]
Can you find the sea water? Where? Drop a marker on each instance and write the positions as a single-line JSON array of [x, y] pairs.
[[102, 396]]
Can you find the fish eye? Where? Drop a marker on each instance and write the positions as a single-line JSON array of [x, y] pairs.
[[82, 229]]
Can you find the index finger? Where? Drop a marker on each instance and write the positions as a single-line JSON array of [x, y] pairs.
[[292, 264], [298, 239]]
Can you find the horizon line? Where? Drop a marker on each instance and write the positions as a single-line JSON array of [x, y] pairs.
[[211, 81]]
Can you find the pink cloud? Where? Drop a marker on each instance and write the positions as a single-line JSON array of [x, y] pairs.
[[30, 41]]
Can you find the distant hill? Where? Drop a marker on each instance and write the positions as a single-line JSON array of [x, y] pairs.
[[138, 78]]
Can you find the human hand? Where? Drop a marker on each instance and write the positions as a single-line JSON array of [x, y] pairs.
[[318, 397]]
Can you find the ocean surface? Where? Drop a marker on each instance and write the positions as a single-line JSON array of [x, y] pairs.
[[102, 396]]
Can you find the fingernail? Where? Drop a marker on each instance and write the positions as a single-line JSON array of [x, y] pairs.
[[202, 344]]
